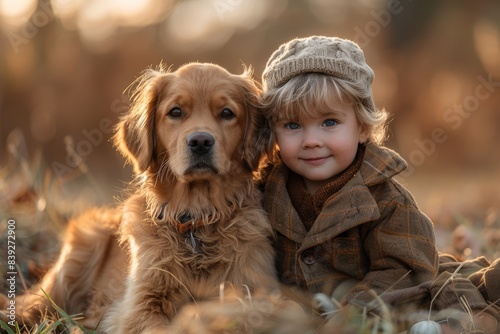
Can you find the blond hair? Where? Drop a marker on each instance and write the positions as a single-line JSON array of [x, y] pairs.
[[313, 94]]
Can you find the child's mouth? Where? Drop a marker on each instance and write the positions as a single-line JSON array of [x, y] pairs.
[[315, 161]]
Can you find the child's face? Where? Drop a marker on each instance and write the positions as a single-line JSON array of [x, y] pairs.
[[319, 148]]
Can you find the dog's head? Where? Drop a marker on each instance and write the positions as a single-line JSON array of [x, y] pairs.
[[194, 123]]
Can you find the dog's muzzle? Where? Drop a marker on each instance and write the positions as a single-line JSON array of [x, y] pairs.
[[201, 145]]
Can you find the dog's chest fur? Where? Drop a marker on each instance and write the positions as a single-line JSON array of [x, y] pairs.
[[200, 249]]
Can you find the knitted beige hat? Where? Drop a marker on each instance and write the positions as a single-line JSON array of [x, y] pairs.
[[319, 54]]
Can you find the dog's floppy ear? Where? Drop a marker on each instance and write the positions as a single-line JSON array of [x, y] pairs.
[[135, 133], [258, 135]]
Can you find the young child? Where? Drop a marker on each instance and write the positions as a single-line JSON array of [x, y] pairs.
[[345, 227]]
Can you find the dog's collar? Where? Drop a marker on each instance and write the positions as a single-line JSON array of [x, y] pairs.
[[185, 223]]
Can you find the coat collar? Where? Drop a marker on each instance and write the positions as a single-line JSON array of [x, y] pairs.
[[380, 164], [353, 205]]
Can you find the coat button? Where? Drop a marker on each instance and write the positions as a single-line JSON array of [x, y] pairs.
[[307, 256]]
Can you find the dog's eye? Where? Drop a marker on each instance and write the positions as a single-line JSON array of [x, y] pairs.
[[175, 113], [227, 114]]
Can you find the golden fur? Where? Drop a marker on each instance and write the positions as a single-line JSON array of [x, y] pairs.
[[130, 267]]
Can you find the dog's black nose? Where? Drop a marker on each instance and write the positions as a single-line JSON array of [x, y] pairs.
[[200, 142]]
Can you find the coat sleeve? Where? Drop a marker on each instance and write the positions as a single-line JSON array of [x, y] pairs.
[[400, 247]]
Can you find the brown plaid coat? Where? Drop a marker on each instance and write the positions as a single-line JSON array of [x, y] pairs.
[[371, 231]]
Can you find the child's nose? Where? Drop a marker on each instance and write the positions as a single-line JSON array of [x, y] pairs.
[[311, 139]]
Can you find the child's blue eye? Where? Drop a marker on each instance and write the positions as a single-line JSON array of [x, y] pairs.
[[330, 122], [292, 126]]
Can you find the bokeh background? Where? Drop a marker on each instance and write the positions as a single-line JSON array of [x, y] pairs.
[[65, 64]]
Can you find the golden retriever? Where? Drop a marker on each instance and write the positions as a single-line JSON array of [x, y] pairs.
[[193, 220]]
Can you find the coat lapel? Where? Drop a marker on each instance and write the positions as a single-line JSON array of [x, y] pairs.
[[352, 206]]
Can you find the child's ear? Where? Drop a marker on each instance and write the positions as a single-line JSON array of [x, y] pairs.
[[365, 134]]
